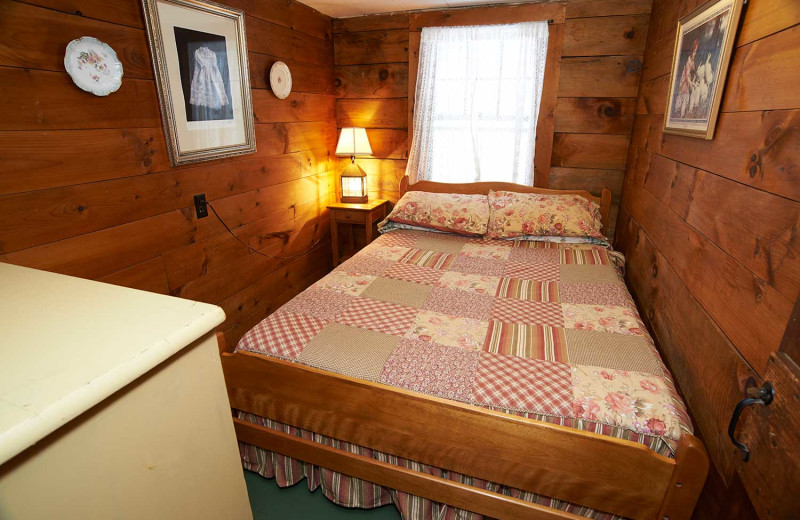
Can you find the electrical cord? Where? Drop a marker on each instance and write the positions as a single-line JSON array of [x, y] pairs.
[[279, 257]]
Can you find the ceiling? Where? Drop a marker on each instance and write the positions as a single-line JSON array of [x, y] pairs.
[[348, 8]]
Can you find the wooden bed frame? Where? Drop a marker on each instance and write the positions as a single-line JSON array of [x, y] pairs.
[[601, 472]]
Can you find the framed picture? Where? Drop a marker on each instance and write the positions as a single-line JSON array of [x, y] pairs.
[[703, 48], [199, 55]]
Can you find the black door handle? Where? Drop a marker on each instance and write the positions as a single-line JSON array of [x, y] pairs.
[[755, 395]]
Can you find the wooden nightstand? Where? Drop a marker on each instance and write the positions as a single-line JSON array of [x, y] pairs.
[[366, 215]]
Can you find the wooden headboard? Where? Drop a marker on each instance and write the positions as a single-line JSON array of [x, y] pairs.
[[482, 188]]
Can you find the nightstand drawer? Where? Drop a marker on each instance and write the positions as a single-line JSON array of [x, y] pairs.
[[350, 216]]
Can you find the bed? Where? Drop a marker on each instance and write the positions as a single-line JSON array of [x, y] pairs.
[[511, 379]]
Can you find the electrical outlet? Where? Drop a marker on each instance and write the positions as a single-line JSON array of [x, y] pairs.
[[200, 205]]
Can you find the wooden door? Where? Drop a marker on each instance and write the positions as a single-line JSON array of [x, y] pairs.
[[772, 433]]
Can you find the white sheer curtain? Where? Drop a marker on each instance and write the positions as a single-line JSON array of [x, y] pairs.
[[477, 103]]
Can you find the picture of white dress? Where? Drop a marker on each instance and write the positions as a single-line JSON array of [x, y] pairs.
[[208, 90], [205, 78]]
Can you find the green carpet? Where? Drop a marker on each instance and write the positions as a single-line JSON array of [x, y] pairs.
[[270, 502]]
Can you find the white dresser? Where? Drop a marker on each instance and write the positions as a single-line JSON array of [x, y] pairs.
[[112, 404]]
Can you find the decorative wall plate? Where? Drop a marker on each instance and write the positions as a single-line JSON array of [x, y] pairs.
[[280, 79], [93, 66]]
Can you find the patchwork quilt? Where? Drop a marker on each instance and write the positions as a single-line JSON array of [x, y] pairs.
[[540, 329]]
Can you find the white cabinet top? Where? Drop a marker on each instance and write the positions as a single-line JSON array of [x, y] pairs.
[[67, 343]]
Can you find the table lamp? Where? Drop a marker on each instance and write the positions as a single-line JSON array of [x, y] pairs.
[[353, 142]]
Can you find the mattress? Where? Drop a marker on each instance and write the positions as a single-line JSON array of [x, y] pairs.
[[543, 330]]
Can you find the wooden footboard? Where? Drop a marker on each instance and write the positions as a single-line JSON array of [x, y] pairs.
[[605, 473]]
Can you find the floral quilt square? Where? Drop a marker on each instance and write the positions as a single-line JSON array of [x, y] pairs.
[[474, 265], [319, 303], [474, 283], [365, 265], [530, 313], [282, 334], [431, 368], [459, 303], [345, 282], [540, 272], [380, 316], [522, 289], [389, 252], [528, 385], [448, 330], [529, 341], [486, 250], [530, 255], [641, 402], [596, 293], [603, 318]]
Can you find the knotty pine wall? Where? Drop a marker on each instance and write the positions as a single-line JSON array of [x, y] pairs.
[[601, 63], [85, 183], [710, 227]]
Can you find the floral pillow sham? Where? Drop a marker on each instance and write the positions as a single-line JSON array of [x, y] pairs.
[[450, 212], [533, 214]]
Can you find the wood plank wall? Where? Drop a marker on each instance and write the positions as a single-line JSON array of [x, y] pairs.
[[85, 183], [710, 227], [599, 77]]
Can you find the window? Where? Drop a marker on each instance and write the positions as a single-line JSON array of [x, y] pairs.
[[477, 103]]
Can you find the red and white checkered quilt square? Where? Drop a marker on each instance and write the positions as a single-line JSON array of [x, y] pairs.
[[399, 239], [413, 273], [282, 334], [538, 272], [380, 316], [523, 384], [511, 310]]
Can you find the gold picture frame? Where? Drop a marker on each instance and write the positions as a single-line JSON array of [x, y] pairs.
[[200, 62], [703, 47]]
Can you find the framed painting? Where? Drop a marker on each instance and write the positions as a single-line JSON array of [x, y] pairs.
[[703, 48], [199, 53]]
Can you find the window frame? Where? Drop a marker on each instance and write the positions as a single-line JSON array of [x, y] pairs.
[[555, 13]]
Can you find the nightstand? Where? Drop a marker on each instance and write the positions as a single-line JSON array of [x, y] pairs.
[[363, 215]]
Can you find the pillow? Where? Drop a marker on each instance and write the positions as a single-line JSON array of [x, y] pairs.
[[526, 214], [562, 240], [451, 212]]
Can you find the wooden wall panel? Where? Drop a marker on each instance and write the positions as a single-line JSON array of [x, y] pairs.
[[87, 189], [360, 48], [372, 81], [593, 8], [598, 78], [24, 44], [607, 76], [709, 226], [595, 115], [607, 35]]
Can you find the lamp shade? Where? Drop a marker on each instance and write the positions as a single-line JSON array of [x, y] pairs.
[[352, 142]]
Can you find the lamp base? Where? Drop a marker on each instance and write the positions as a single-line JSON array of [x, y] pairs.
[[354, 171]]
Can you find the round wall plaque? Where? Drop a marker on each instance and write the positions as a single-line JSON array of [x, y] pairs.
[[280, 79]]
